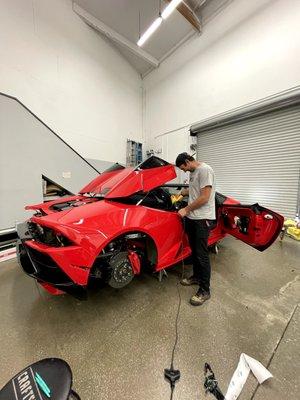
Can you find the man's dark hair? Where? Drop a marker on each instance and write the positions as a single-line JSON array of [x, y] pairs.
[[182, 158]]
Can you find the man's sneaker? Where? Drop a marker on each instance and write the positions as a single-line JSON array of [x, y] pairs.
[[189, 281], [199, 298]]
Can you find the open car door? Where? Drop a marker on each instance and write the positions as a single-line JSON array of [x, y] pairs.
[[254, 225]]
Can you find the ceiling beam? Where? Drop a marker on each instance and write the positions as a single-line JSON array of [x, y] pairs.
[[113, 35], [188, 14]]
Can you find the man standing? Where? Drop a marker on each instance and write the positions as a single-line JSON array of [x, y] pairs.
[[198, 216]]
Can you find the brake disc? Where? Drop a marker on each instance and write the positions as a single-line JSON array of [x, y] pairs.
[[121, 272]]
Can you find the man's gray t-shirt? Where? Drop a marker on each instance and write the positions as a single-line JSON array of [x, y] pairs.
[[202, 176]]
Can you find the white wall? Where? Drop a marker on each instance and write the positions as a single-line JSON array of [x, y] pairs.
[[25, 157], [247, 52], [69, 76]]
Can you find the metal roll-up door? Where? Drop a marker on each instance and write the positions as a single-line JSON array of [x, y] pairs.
[[257, 159]]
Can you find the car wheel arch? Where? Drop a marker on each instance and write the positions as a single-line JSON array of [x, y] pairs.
[[151, 246]]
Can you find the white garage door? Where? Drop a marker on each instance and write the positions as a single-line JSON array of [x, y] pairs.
[[257, 159]]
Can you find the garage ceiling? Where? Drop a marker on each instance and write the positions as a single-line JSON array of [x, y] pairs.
[[120, 21]]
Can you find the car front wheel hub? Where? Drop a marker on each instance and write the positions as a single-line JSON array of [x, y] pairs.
[[121, 272]]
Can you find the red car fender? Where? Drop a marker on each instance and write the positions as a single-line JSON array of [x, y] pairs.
[[134, 261]]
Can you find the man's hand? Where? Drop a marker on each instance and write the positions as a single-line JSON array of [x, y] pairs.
[[184, 192], [183, 212]]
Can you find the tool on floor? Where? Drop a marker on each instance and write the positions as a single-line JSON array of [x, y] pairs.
[[211, 384], [49, 378]]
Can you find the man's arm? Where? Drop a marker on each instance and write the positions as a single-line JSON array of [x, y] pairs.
[[202, 199]]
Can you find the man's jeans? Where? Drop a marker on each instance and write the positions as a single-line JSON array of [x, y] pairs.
[[198, 232]]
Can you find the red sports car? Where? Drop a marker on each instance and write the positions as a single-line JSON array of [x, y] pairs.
[[123, 220]]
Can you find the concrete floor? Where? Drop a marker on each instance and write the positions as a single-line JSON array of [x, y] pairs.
[[119, 342]]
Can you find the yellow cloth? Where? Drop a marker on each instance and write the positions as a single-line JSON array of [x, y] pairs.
[[292, 229], [176, 197], [294, 232], [289, 222]]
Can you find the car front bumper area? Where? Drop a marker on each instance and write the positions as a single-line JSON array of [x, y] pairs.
[[43, 268]]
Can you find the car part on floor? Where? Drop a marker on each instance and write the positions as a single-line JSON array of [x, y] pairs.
[[48, 378], [211, 384]]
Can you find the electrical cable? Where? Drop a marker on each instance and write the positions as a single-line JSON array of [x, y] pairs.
[[176, 327], [172, 391], [179, 296], [170, 374]]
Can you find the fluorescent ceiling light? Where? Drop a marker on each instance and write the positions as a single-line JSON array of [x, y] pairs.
[[152, 28], [170, 8]]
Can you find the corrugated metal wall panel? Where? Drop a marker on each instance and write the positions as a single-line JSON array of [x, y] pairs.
[[257, 159]]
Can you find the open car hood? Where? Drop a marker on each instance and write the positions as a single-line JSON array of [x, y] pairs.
[[123, 182]]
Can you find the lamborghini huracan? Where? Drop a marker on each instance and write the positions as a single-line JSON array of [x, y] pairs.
[[122, 221]]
